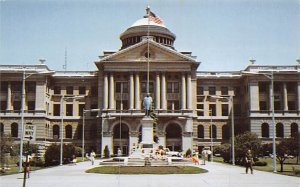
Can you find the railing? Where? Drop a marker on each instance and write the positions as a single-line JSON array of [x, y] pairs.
[[276, 112]]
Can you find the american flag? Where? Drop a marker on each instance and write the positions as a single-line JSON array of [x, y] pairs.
[[155, 18]]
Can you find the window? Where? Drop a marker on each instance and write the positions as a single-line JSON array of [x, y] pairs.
[[263, 87], [4, 87], [277, 87], [212, 108], [291, 105], [200, 131], [55, 131], [279, 130], [94, 91], [225, 132], [14, 130], [30, 87], [224, 109], [200, 90], [69, 131], [213, 131], [172, 87], [56, 109], [237, 91], [31, 105], [1, 128], [80, 109], [200, 112], [3, 105], [294, 130], [16, 86], [224, 90], [94, 106], [212, 90], [265, 130], [79, 132], [69, 90], [122, 87], [57, 90], [144, 87], [17, 106], [263, 105], [277, 105], [291, 87], [81, 90], [69, 109]]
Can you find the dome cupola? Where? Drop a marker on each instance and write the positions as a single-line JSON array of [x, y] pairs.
[[151, 25]]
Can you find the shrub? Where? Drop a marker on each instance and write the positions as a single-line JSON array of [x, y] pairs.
[[52, 155], [260, 163]]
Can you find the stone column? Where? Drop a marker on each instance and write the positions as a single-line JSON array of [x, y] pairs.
[[107, 137], [137, 92], [183, 92], [254, 96], [162, 139], [189, 91], [133, 141], [9, 102], [157, 92], [111, 92], [39, 91], [163, 92], [105, 92], [285, 98], [131, 92]]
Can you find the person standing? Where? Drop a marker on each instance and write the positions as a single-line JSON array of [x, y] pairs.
[[249, 161], [92, 157]]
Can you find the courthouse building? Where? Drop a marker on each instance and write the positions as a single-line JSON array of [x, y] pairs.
[[193, 107]]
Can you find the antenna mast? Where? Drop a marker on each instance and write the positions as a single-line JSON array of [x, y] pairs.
[[66, 60]]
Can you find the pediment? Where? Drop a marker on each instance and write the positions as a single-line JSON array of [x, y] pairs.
[[139, 52]]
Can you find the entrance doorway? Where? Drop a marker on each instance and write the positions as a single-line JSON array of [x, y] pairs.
[[174, 137]]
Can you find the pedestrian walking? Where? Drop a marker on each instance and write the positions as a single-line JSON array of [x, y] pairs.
[[249, 161], [92, 157]]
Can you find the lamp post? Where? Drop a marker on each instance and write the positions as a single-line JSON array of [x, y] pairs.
[[83, 125], [24, 77], [232, 124], [62, 99], [271, 77]]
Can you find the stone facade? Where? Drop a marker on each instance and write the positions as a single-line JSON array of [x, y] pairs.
[[186, 101]]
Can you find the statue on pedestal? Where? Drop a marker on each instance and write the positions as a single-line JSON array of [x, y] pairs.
[[147, 103]]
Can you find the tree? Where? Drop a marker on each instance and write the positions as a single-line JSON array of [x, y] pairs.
[[52, 154], [224, 150], [106, 152], [283, 149], [245, 141], [6, 147]]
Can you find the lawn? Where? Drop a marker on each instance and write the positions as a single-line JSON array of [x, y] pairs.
[[146, 170], [288, 166]]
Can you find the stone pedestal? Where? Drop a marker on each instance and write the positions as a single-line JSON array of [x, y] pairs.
[[147, 135]]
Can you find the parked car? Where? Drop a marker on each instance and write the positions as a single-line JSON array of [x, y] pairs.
[[171, 153]]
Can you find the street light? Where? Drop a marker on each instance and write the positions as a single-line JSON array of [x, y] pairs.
[[24, 77], [211, 134], [271, 77], [62, 99], [230, 98], [83, 124]]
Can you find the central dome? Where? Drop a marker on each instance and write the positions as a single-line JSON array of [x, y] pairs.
[[148, 25]]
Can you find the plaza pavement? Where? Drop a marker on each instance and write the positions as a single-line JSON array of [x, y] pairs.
[[219, 175]]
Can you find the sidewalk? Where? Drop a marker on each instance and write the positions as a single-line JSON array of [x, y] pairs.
[[219, 175]]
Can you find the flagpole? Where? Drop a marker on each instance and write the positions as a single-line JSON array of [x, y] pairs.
[[148, 54]]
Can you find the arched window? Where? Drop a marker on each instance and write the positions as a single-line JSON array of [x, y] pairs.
[[214, 131], [121, 131], [79, 132], [200, 131], [68, 131], [279, 130], [1, 128], [265, 130], [294, 129], [55, 131], [225, 132], [14, 130]]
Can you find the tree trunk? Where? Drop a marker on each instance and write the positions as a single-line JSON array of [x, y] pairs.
[[281, 166]]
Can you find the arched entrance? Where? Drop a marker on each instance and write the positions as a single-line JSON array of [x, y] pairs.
[[121, 138], [174, 137]]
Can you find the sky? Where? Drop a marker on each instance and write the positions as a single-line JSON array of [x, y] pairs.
[[223, 34]]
